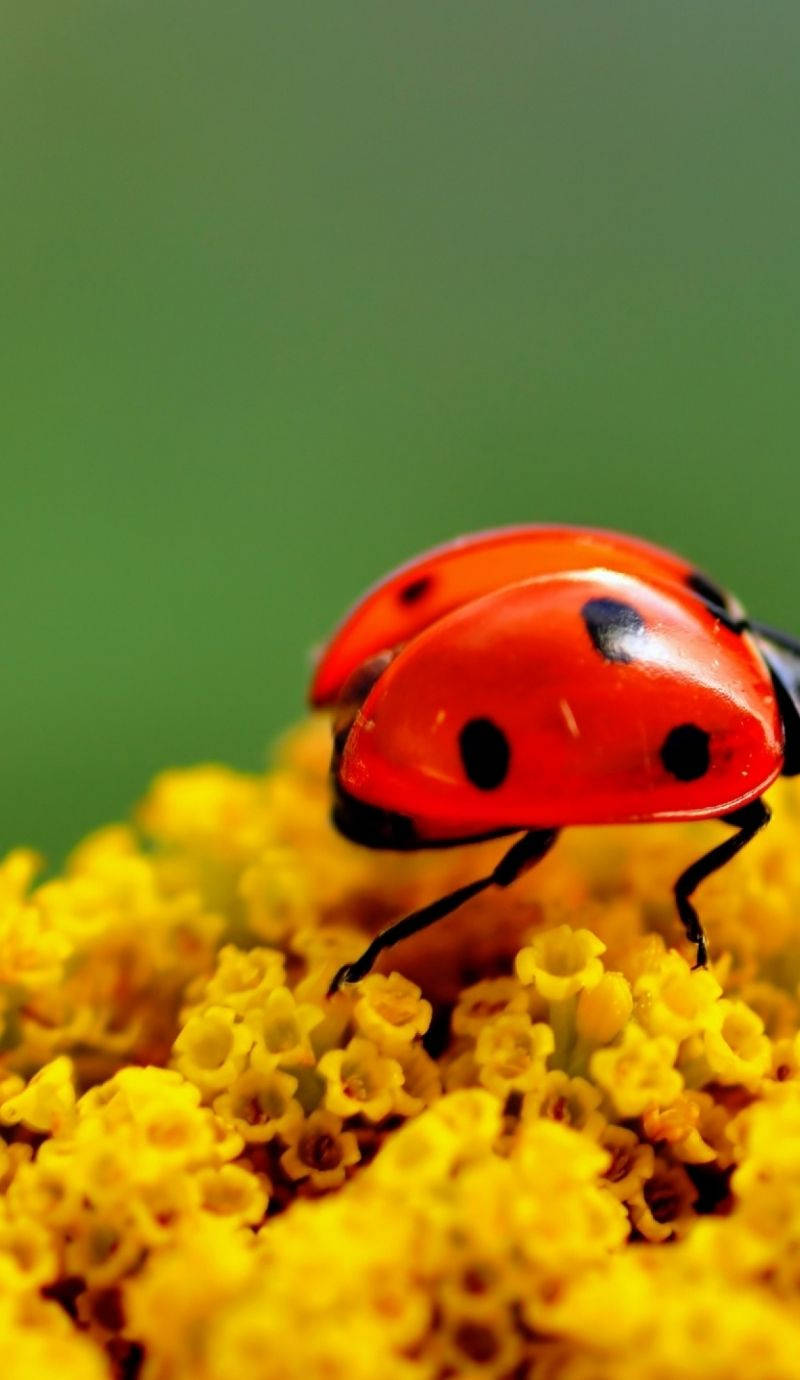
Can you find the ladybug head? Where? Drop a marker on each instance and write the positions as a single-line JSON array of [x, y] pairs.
[[362, 823], [354, 692]]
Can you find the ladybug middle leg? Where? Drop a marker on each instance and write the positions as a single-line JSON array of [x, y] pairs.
[[522, 854], [747, 821]]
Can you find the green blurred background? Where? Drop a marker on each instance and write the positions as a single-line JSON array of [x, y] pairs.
[[290, 291]]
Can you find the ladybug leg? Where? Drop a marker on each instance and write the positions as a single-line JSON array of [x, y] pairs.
[[747, 821], [781, 639], [747, 624], [522, 854]]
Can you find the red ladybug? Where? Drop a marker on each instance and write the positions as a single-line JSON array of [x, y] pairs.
[[521, 680]]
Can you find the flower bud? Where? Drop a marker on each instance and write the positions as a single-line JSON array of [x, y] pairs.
[[604, 1009]]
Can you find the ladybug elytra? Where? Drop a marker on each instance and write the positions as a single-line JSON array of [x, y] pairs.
[[527, 679]]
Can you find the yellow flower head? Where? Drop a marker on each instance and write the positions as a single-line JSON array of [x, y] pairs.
[[562, 1216], [661, 1208], [50, 1351], [632, 1162], [151, 1114], [571, 1101], [320, 1151], [785, 1059], [735, 1046], [483, 1000], [391, 1010], [260, 1104], [31, 1248], [242, 978], [223, 1259], [48, 1101], [276, 894], [693, 1127], [34, 946], [234, 1193], [17, 871], [422, 1084], [511, 1053], [473, 1116], [47, 1190], [561, 962], [639, 1072], [212, 1048], [479, 1339], [424, 1151], [674, 999], [777, 1008], [282, 1027], [209, 810], [360, 1080], [560, 1172]]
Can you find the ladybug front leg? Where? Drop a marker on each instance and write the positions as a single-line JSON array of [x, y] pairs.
[[748, 821], [521, 855]]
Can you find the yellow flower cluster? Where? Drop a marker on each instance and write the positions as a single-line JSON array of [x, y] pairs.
[[535, 1145]]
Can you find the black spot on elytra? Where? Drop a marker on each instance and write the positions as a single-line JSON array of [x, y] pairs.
[[614, 627], [685, 753], [485, 753], [415, 590], [708, 591]]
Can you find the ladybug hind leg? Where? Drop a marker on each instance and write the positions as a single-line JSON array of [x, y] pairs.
[[747, 821], [522, 854]]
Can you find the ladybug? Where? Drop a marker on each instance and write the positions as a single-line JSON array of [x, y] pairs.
[[522, 680]]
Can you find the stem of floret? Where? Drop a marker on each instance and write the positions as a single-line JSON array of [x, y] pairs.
[[562, 1020]]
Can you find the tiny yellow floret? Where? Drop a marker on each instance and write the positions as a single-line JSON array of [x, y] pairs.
[[561, 962]]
